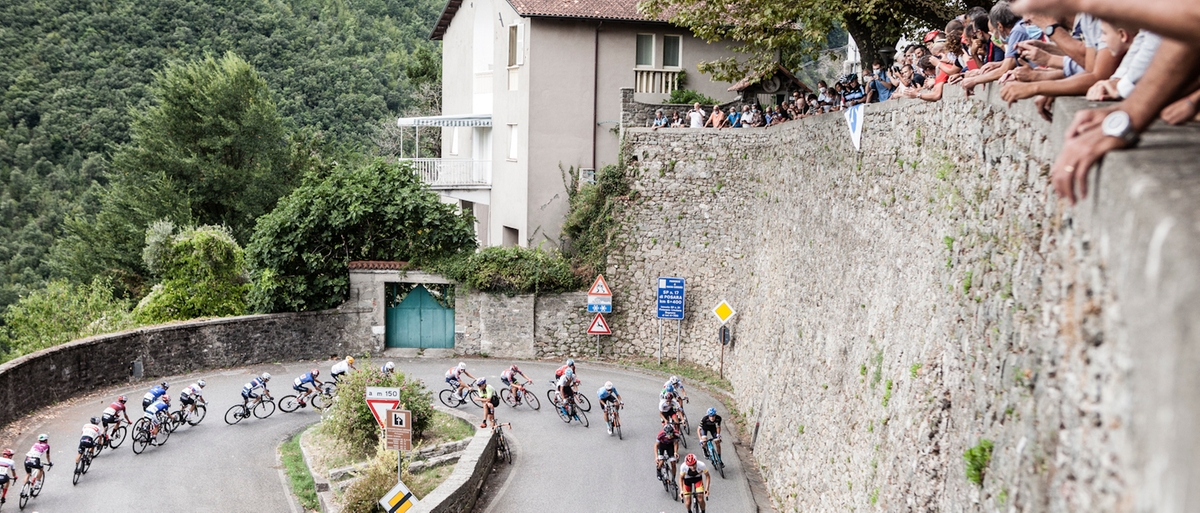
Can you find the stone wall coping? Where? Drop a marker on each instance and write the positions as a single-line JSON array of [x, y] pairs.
[[405, 276]]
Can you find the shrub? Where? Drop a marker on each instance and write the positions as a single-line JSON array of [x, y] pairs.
[[380, 476], [590, 225], [351, 421], [203, 272], [688, 96], [512, 270], [61, 312], [977, 459]]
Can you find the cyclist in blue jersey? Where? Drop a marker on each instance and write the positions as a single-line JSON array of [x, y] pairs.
[[161, 405], [255, 384], [388, 368], [608, 393], [154, 393], [300, 385]]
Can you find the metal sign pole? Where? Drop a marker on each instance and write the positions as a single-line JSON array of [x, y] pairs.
[[399, 465], [597, 346], [660, 342], [678, 335], [721, 374]]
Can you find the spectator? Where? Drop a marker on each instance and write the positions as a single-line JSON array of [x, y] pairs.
[[880, 83], [734, 118], [696, 116], [824, 96], [716, 119], [1133, 65], [852, 93], [676, 120], [660, 120], [903, 81], [1098, 65], [1006, 24]]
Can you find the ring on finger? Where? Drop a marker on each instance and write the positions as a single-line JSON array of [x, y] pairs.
[[1070, 169]]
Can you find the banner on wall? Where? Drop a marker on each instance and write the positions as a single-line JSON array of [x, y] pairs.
[[854, 118]]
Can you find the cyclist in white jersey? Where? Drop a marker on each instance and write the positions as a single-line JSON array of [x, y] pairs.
[[691, 473], [8, 474], [454, 378], [89, 438], [190, 396], [341, 368]]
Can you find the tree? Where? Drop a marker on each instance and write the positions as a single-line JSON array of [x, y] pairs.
[[203, 274], [61, 312], [766, 27], [378, 211], [211, 150]]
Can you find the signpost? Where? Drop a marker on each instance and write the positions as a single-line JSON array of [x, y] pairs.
[[724, 312], [398, 432], [398, 500], [599, 302], [380, 400], [670, 306], [723, 336]]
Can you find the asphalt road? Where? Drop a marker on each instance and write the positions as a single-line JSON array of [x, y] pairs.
[[217, 467]]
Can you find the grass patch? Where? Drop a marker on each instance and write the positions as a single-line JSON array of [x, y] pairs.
[[687, 371], [887, 395], [445, 428], [298, 475], [422, 483], [977, 459], [914, 370]]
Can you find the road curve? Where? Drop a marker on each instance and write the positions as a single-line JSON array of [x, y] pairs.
[[216, 467]]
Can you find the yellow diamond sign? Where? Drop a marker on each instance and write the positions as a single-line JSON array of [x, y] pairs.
[[723, 311]]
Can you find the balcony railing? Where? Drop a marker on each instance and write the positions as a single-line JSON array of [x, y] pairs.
[[454, 173], [656, 80]]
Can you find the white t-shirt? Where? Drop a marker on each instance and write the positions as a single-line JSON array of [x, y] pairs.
[[696, 117], [191, 391], [341, 367]]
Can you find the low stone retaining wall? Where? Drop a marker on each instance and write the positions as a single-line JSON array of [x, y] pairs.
[[61, 372], [460, 491]]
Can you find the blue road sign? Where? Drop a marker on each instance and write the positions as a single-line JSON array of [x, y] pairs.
[[670, 298]]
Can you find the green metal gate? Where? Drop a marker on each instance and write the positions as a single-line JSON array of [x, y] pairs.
[[418, 319]]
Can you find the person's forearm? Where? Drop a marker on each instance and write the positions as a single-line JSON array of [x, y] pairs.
[[1073, 48], [995, 74], [1075, 85], [1171, 18], [1175, 65]]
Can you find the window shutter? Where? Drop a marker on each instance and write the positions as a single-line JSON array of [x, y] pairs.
[[520, 42]]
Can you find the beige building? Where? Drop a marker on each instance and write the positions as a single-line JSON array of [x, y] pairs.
[[531, 90]]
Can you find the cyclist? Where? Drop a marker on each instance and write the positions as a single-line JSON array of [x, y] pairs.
[[454, 378], [33, 459], [509, 377], [565, 390], [490, 401], [570, 365], [189, 395], [163, 404], [255, 384], [666, 407], [388, 368], [109, 417], [300, 385], [710, 427], [690, 473], [154, 393], [91, 432], [341, 368], [8, 474], [665, 447], [608, 393], [675, 386]]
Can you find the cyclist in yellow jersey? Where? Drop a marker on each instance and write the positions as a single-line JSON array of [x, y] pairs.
[[490, 401]]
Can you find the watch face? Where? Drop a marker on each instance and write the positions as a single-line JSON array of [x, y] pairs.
[[1050, 30], [1116, 124]]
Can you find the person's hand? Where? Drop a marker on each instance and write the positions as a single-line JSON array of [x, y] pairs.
[[1023, 74], [969, 84], [1045, 107], [1104, 90], [1035, 55], [956, 78], [1075, 161], [1014, 91], [989, 67], [1050, 48], [1052, 8], [1181, 111]]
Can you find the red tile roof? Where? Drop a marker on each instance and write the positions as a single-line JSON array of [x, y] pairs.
[[622, 10], [377, 265]]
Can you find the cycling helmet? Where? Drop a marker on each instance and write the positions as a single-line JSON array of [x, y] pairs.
[[482, 381], [712, 411], [389, 366], [266, 376], [690, 460], [674, 380], [350, 359], [164, 385], [94, 420], [669, 429], [669, 395], [608, 386], [514, 368], [570, 362], [43, 437], [121, 399], [462, 365], [8, 453], [569, 374], [201, 384], [166, 398]]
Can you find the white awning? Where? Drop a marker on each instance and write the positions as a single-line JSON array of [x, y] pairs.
[[456, 120]]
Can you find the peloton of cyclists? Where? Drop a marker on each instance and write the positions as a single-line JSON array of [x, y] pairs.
[[89, 438], [34, 458], [154, 394], [710, 427], [490, 401], [691, 473], [454, 378], [255, 384], [608, 393], [8, 474], [300, 385], [109, 420], [190, 395]]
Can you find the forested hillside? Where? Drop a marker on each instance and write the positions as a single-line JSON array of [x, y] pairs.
[[72, 71]]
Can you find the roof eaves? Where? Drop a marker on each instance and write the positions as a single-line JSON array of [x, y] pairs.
[[443, 22]]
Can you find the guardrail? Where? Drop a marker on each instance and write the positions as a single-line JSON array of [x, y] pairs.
[[453, 173], [656, 80]]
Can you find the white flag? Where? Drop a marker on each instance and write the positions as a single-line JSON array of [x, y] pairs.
[[854, 117]]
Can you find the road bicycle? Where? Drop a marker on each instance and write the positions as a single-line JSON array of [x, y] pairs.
[[666, 475], [85, 461], [450, 398], [192, 418], [613, 409], [263, 407], [710, 450], [503, 450], [142, 437], [318, 399], [554, 397], [515, 395], [570, 412], [118, 435], [33, 488], [679, 428], [694, 506]]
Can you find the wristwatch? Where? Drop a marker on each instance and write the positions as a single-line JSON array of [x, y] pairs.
[[1118, 124], [1050, 29]]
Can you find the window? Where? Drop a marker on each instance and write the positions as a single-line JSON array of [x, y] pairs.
[[454, 141], [512, 45], [512, 142], [645, 50], [672, 50], [510, 237]]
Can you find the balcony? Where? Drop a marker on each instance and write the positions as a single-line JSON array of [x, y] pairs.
[[444, 174], [656, 80]]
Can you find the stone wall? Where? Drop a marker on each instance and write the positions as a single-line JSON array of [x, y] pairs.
[[59, 373], [522, 326], [900, 304], [458, 493]]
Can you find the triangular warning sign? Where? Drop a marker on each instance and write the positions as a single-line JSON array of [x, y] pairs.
[[600, 288], [379, 408], [599, 326]]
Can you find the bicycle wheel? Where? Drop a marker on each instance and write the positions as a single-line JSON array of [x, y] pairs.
[[473, 395], [582, 416], [320, 401], [507, 397], [264, 409], [507, 449], [235, 414], [289, 403], [174, 420], [197, 416], [585, 404], [673, 488], [118, 437], [562, 414], [449, 398], [26, 493], [330, 388], [86, 460], [617, 428], [552, 397], [162, 436], [78, 472], [97, 448], [532, 400], [141, 428], [682, 435]]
